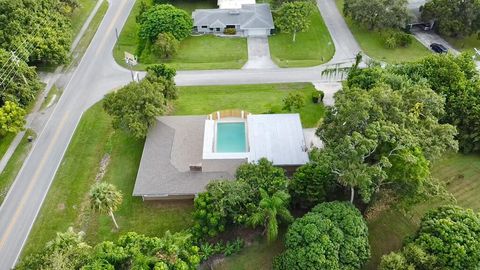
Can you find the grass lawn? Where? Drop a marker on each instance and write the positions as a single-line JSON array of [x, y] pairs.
[[371, 43], [5, 142], [389, 228], [258, 256], [67, 201], [14, 164], [203, 52], [260, 98], [311, 48], [465, 44], [80, 14]]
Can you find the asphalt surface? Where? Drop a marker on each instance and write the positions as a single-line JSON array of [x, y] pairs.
[[96, 74]]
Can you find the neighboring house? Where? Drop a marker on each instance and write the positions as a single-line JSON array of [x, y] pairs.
[[182, 154], [233, 4], [249, 20]]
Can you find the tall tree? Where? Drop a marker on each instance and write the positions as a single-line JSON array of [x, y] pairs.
[[269, 210], [105, 198], [165, 19], [294, 17], [454, 18], [135, 106], [377, 14]]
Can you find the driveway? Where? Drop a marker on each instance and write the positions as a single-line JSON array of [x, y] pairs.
[[259, 54], [429, 37]]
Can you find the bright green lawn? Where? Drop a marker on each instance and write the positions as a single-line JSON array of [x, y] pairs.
[[67, 201], [371, 43], [14, 164], [260, 98], [204, 52], [311, 48], [388, 230], [80, 14]]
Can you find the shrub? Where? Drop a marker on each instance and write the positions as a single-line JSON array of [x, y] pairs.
[[230, 31], [315, 97], [165, 46], [397, 39], [331, 236], [322, 94], [293, 101]]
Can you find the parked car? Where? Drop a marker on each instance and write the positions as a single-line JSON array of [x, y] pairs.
[[438, 48]]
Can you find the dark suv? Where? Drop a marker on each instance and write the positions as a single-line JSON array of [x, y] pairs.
[[438, 48]]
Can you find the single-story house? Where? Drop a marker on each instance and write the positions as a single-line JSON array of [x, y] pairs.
[[249, 20], [182, 154]]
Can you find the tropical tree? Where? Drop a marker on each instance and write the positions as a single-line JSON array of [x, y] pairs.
[[12, 118], [447, 239], [294, 17], [105, 198], [377, 14], [332, 236], [269, 209], [166, 45], [135, 106], [455, 18]]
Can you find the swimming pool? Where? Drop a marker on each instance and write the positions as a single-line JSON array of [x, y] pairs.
[[231, 137]]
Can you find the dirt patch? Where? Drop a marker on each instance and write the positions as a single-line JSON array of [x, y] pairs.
[[61, 207], [103, 167]]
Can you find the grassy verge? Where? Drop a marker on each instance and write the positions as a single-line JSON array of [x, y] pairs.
[[89, 33], [80, 14], [14, 164], [311, 48], [260, 98], [371, 43], [465, 44], [200, 52], [53, 95], [5, 142], [67, 201], [258, 256], [388, 229]]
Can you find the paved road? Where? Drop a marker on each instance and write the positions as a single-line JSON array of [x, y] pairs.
[[98, 73]]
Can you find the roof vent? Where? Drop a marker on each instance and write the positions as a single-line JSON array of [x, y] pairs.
[[234, 12]]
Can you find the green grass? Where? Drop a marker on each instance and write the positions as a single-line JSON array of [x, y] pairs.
[[258, 256], [311, 48], [5, 142], [371, 43], [67, 201], [80, 14], [262, 98], [465, 44], [200, 52], [461, 173], [14, 164]]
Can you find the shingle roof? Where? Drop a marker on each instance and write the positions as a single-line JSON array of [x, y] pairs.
[[256, 16]]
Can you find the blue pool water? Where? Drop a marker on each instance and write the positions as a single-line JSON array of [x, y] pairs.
[[231, 137]]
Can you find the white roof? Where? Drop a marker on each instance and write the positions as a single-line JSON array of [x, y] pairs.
[[277, 137], [233, 4]]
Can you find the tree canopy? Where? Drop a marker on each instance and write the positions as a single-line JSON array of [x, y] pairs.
[[332, 236], [12, 118], [447, 239], [165, 19], [377, 14], [454, 18], [294, 17]]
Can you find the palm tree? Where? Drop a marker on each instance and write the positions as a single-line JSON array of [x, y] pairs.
[[105, 198], [269, 209]]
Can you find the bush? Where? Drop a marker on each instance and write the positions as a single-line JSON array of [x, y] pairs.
[[397, 39], [332, 236], [293, 101], [315, 97], [165, 46], [230, 31]]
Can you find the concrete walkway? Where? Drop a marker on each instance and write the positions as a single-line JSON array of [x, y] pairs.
[[329, 89], [259, 54]]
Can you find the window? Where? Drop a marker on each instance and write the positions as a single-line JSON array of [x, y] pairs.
[[204, 26], [217, 29]]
